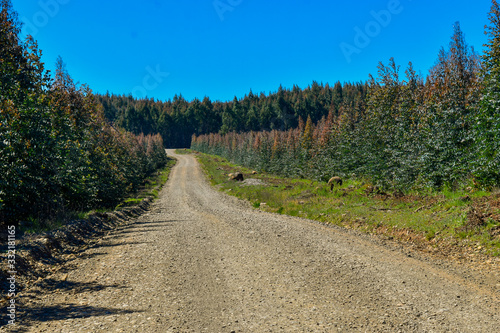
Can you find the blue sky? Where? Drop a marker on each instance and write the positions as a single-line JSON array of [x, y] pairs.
[[224, 48]]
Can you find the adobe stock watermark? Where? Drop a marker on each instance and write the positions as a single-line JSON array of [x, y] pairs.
[[150, 82], [49, 9], [223, 6], [11, 279], [364, 36]]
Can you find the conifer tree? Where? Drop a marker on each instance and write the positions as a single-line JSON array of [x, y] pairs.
[[307, 136], [488, 121], [451, 104]]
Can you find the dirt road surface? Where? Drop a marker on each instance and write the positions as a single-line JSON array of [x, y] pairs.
[[201, 261]]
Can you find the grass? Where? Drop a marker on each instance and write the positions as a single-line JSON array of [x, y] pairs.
[[184, 151], [151, 188], [435, 221]]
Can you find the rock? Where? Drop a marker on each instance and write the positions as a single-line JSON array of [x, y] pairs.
[[334, 181], [238, 176]]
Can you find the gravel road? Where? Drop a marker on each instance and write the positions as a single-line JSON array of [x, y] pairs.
[[201, 261]]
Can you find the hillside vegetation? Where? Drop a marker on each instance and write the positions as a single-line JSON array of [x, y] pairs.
[[58, 153], [176, 120], [413, 133]]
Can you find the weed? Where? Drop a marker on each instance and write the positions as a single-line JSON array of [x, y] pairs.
[[430, 234]]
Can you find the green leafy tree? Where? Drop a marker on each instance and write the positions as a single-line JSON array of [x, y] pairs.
[[26, 142], [57, 152]]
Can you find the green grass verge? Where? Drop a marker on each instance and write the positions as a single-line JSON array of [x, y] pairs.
[[436, 222], [184, 151]]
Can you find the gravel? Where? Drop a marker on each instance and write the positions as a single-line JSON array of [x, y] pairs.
[[202, 261]]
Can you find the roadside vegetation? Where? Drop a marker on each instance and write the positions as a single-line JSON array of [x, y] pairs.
[[150, 188], [58, 154], [453, 223]]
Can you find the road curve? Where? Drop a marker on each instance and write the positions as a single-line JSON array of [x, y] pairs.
[[201, 261]]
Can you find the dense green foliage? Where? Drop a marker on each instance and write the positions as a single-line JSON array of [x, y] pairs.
[[176, 120], [487, 126], [57, 152], [410, 132]]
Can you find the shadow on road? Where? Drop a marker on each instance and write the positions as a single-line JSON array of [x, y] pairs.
[[29, 315]]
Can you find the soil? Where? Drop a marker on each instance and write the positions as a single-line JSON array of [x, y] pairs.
[[253, 182], [202, 261]]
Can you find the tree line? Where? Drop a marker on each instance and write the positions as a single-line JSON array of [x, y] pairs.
[[410, 131], [58, 152], [177, 119]]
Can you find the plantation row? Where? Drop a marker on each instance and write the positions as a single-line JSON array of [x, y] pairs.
[[176, 120], [442, 130], [57, 152]]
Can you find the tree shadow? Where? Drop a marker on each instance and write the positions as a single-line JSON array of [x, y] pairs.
[[158, 223], [28, 315], [133, 231], [69, 286], [142, 227], [26, 318], [110, 245]]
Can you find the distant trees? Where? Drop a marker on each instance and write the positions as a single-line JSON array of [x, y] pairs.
[[407, 131], [57, 151], [178, 119], [398, 129]]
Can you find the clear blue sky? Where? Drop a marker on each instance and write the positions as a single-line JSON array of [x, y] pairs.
[[224, 48]]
